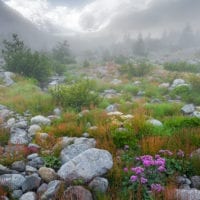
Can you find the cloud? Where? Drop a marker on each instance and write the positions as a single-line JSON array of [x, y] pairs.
[[92, 17]]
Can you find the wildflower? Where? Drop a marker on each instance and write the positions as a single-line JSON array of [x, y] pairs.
[[143, 180], [156, 188], [160, 162], [180, 153], [133, 178], [125, 169], [166, 152], [161, 169], [137, 170]]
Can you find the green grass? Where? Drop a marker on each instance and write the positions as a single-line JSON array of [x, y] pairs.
[[25, 95]]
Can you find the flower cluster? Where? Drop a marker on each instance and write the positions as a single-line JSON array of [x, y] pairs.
[[148, 172]]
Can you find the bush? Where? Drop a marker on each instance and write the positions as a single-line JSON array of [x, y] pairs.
[[76, 96], [182, 67], [139, 69], [52, 162], [124, 137], [19, 59]]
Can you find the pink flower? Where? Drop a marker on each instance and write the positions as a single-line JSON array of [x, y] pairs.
[[125, 169], [161, 169], [143, 180], [156, 188], [133, 178], [137, 170]]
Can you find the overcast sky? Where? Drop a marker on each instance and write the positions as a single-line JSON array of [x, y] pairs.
[[84, 16]]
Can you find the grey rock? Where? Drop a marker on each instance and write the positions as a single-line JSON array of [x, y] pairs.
[[99, 184], [13, 181], [33, 129], [11, 122], [195, 182], [31, 183], [32, 156], [185, 187], [19, 166], [5, 113], [19, 136], [16, 194], [87, 165], [4, 170], [192, 194], [188, 109], [29, 196], [53, 190], [41, 120], [72, 151], [177, 82], [112, 108], [57, 111], [155, 122], [196, 114], [30, 169], [36, 162], [41, 190], [8, 78], [141, 93], [22, 124], [78, 193], [86, 135]]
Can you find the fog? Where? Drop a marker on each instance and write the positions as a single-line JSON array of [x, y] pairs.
[[120, 27]]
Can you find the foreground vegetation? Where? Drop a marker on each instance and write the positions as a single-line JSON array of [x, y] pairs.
[[146, 157]]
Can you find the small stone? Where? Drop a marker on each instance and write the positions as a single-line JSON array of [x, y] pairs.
[[31, 183], [30, 169], [99, 184], [41, 190], [33, 129], [47, 174], [78, 193], [32, 156], [188, 109], [54, 190]]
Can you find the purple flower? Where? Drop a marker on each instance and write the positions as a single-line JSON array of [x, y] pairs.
[[161, 169], [180, 153], [157, 156], [147, 160], [137, 170], [160, 162], [125, 169], [133, 178], [156, 188], [143, 180], [166, 152]]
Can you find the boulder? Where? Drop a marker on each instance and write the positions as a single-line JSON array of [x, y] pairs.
[[87, 165], [47, 174], [33, 129], [78, 193], [40, 120], [13, 181], [188, 109], [192, 194], [29, 196], [21, 124], [80, 145], [196, 114], [19, 136]]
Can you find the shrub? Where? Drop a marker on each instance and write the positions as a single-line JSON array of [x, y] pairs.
[[76, 96], [19, 59], [139, 69], [182, 67], [123, 136], [52, 162]]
